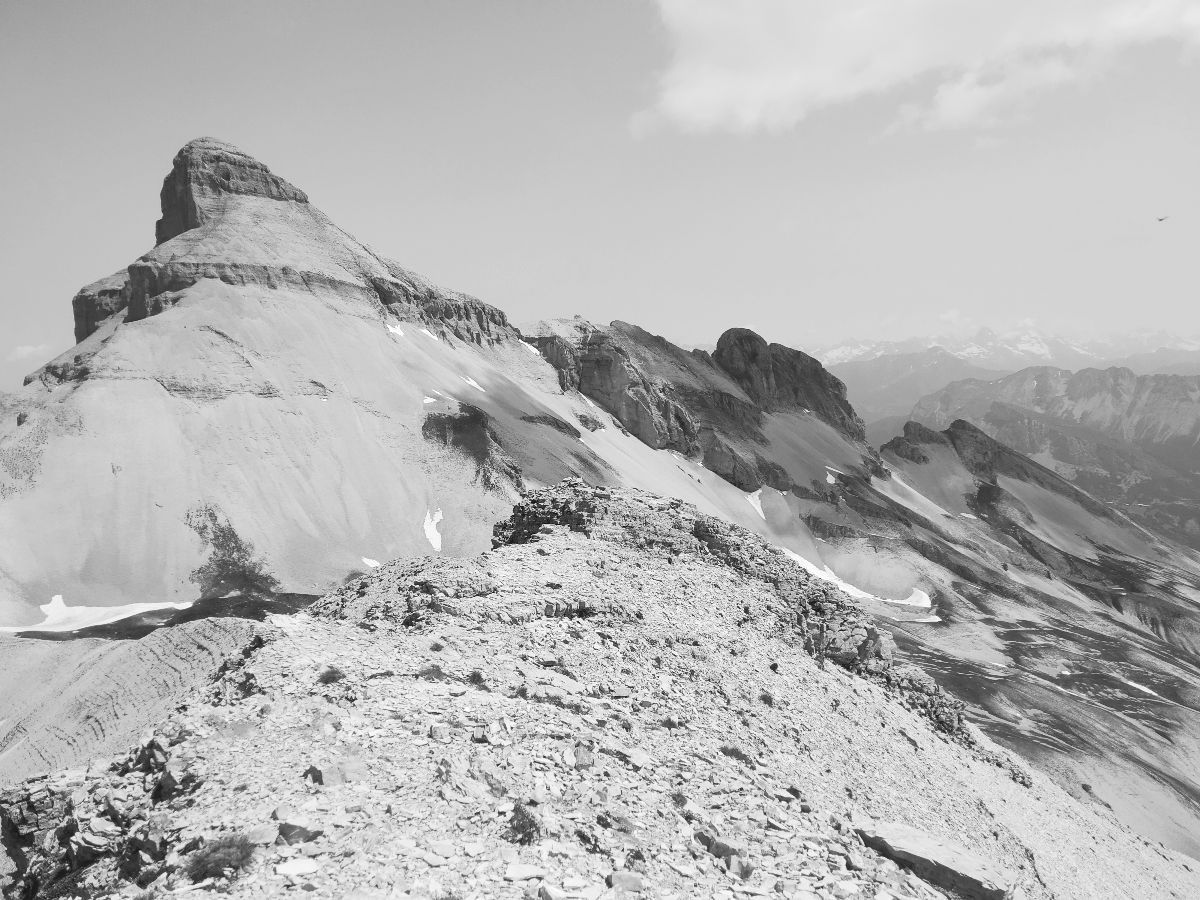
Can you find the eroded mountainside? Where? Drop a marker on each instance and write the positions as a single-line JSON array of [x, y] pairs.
[[625, 697], [1133, 440], [262, 402], [65, 702]]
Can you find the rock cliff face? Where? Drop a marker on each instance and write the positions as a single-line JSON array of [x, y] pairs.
[[203, 174], [715, 407], [775, 377], [98, 302]]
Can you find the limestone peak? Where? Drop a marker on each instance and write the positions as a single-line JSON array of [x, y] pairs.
[[206, 169]]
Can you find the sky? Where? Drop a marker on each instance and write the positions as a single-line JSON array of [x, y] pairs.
[[818, 170]]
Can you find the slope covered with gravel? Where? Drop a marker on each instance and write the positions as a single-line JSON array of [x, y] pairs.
[[623, 697]]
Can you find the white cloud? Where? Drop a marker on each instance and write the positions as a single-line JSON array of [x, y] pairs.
[[747, 65], [27, 351]]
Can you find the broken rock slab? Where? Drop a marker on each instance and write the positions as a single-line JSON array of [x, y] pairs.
[[940, 862]]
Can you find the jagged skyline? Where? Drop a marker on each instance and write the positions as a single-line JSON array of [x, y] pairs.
[[508, 154]]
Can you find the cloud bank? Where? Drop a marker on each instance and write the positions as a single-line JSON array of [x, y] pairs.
[[749, 65]]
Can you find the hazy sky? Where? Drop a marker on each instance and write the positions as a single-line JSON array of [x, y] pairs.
[[814, 170]]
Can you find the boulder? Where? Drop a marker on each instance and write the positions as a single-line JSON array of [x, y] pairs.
[[942, 863]]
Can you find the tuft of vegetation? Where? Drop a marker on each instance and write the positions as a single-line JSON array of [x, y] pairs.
[[525, 826], [575, 706], [767, 697], [437, 646], [477, 679], [433, 672], [231, 566], [231, 853], [331, 675], [739, 754]]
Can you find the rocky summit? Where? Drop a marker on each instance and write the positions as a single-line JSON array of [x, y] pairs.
[[260, 630], [624, 697]]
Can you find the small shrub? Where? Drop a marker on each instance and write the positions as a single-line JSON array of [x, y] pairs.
[[331, 675], [477, 679], [437, 646], [739, 754], [232, 564], [767, 697], [232, 852], [433, 672], [525, 827]]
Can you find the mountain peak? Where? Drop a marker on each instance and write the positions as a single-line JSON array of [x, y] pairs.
[[206, 169]]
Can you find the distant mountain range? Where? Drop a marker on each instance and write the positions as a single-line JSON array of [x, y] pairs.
[[1132, 440], [1007, 351], [886, 386], [885, 379]]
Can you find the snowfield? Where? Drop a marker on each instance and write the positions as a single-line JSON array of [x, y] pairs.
[[61, 618]]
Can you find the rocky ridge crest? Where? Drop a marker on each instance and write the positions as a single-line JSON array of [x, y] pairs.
[[605, 705], [707, 406]]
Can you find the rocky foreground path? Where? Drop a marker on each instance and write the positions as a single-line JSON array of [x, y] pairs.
[[624, 698]]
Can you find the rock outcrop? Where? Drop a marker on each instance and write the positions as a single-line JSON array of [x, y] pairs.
[[98, 302], [908, 445], [962, 873], [612, 379], [775, 377], [711, 407], [206, 171]]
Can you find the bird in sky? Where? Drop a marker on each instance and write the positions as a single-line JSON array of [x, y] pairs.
[[1163, 218]]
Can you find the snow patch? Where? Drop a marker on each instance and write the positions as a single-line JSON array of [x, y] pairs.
[[587, 401], [431, 529], [430, 400], [917, 598], [472, 382], [60, 617], [395, 329], [532, 349], [968, 516], [926, 620], [827, 574], [371, 563], [430, 333], [755, 500], [830, 478], [1141, 687]]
